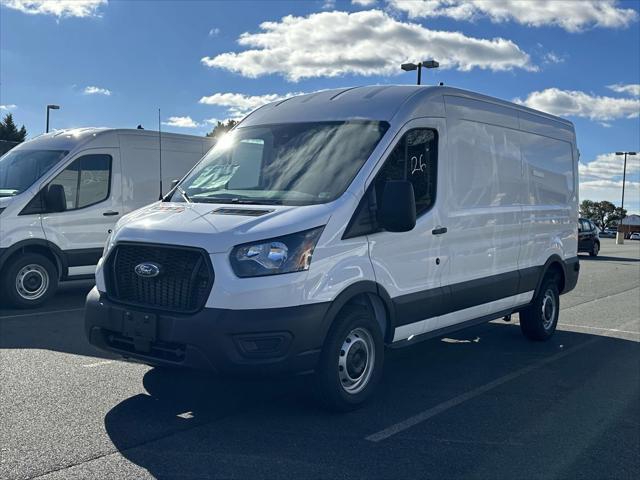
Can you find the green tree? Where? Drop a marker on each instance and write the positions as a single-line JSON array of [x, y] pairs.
[[9, 131], [221, 128], [604, 214]]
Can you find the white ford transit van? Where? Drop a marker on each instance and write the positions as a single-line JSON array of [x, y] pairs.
[[61, 193], [328, 226]]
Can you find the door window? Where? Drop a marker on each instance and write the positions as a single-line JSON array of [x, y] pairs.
[[414, 158], [86, 181], [585, 226]]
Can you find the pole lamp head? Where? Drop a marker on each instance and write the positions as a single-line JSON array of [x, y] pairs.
[[631, 153], [619, 153], [408, 67], [430, 64], [53, 107]]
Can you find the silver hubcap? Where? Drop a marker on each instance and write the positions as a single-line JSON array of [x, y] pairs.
[[548, 309], [32, 281], [356, 361]]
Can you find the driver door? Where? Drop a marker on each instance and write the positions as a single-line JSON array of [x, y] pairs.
[[410, 265], [92, 189]]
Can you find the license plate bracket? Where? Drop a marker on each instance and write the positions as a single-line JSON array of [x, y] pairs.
[[139, 325]]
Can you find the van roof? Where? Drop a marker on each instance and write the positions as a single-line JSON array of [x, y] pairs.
[[68, 139], [379, 102]]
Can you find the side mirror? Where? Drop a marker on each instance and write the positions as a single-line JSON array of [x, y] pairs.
[[397, 210], [174, 182], [55, 199]]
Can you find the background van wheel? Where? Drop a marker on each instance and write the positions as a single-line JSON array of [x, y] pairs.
[[539, 321], [595, 249], [351, 362], [28, 280]]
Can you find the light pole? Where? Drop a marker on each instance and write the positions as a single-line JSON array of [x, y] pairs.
[[408, 67], [620, 235], [51, 107]]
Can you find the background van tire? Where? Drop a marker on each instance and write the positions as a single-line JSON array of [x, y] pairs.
[[595, 249], [28, 280], [351, 361], [539, 321]]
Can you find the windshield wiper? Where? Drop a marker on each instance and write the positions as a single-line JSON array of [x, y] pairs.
[[236, 200], [183, 193]]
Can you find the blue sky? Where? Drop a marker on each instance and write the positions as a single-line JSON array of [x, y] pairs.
[[113, 63]]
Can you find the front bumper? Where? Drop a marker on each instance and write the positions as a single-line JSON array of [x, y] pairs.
[[274, 340]]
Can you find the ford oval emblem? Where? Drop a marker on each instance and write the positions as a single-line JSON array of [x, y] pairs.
[[147, 269]]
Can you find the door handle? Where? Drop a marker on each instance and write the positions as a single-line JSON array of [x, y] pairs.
[[439, 230], [110, 213]]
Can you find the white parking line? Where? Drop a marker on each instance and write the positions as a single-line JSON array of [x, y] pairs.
[[98, 364], [444, 406], [42, 313], [602, 329]]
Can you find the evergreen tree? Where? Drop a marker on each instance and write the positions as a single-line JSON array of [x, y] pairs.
[[10, 132], [222, 128]]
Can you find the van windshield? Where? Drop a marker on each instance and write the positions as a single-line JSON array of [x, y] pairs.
[[286, 164], [19, 169]]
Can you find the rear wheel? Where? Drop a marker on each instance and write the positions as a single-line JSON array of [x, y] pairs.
[[351, 361], [539, 321], [595, 249], [29, 280]]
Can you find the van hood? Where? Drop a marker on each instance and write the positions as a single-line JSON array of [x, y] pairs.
[[216, 228]]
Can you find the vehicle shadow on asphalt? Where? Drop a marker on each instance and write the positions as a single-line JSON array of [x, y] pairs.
[[191, 424]]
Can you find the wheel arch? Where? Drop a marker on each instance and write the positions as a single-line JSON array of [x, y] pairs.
[[369, 294], [41, 246], [554, 263]]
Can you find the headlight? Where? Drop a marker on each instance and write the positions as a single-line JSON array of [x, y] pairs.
[[290, 253], [107, 244]]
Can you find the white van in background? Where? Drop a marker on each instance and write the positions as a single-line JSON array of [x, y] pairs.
[[327, 226], [62, 192]]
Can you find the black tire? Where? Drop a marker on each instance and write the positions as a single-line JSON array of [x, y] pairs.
[[538, 322], [355, 327], [595, 249], [37, 283]]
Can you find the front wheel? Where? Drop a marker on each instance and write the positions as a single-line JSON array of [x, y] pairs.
[[351, 361], [28, 280], [595, 249], [539, 321]]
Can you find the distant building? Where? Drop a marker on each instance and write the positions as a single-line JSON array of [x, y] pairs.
[[631, 220], [630, 224]]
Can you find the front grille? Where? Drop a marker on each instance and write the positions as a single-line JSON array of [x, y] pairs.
[[182, 285]]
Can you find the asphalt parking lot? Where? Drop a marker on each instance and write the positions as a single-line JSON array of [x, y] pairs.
[[482, 403]]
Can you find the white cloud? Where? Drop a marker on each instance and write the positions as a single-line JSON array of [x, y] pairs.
[[580, 104], [370, 42], [328, 4], [609, 166], [364, 3], [631, 89], [611, 190], [93, 90], [601, 179], [181, 122], [6, 108], [572, 15], [239, 105], [58, 8], [214, 32], [552, 57]]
